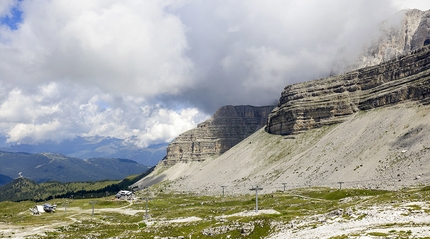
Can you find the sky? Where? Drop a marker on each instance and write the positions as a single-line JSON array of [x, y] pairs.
[[146, 71]]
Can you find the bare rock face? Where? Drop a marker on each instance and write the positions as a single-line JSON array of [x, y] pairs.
[[227, 127], [422, 34], [313, 104], [406, 31]]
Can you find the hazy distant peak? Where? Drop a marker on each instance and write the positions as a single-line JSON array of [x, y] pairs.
[[405, 31]]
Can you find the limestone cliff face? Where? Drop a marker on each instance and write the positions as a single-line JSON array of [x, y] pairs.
[[313, 104], [408, 30], [227, 127]]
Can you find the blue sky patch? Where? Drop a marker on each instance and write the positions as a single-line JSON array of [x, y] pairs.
[[13, 20]]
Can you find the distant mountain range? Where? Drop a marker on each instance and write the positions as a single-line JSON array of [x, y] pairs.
[[94, 147], [4, 179], [44, 167]]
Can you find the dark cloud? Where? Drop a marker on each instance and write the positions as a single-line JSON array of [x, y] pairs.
[[246, 52]]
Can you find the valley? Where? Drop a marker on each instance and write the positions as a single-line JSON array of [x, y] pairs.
[[313, 212]]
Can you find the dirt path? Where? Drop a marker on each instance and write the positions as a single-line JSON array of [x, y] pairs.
[[362, 221], [18, 232]]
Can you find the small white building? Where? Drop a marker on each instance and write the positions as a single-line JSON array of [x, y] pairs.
[[124, 194]]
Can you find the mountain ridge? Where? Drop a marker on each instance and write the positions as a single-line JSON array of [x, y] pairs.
[[321, 137], [330, 100], [4, 179], [95, 147], [44, 167]]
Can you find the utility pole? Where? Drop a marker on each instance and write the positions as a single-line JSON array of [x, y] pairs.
[[92, 203], [146, 211], [256, 196], [65, 203], [147, 199], [223, 187], [284, 185], [340, 185]]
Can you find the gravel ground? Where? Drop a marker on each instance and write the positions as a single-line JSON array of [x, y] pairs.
[[360, 223], [385, 148], [380, 219]]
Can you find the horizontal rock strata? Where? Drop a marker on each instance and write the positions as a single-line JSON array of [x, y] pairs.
[[313, 104], [228, 126]]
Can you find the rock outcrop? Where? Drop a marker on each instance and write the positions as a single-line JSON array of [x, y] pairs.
[[313, 104], [228, 126], [406, 31]]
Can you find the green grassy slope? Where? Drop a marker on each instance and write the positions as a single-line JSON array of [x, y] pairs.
[[293, 211]]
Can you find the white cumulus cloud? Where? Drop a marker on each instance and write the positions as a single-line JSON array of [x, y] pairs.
[[146, 71], [127, 47]]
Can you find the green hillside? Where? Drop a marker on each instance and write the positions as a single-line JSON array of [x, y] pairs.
[[22, 189]]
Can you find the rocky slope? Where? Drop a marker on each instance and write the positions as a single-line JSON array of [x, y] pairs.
[[228, 126], [386, 147], [368, 128], [406, 31]]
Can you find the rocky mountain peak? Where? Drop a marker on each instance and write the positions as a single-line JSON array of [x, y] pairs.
[[406, 31], [227, 127]]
